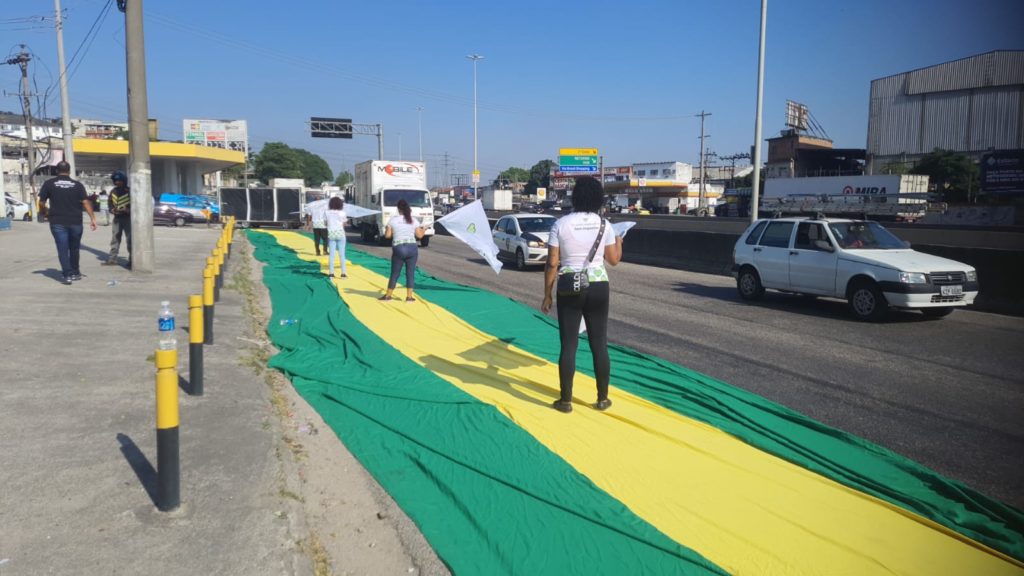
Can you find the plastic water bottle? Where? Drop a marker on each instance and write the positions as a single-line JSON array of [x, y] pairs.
[[289, 321], [165, 323]]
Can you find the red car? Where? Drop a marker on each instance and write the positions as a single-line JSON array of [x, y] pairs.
[[171, 216]]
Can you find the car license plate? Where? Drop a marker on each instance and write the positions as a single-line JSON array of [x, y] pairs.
[[956, 290]]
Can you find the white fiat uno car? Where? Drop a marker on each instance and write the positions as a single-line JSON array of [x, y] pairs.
[[856, 260]]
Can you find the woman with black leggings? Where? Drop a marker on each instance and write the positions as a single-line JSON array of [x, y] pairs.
[[404, 231], [571, 242]]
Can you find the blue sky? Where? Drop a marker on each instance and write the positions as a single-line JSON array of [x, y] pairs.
[[623, 77]]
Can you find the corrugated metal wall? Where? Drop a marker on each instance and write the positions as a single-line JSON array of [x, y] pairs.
[[947, 106]]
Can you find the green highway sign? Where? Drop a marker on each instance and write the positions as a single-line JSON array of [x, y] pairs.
[[579, 160]]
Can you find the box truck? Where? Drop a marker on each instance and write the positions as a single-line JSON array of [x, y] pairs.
[[380, 184], [497, 199]]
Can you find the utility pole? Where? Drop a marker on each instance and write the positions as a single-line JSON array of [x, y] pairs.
[[139, 174], [701, 202], [65, 107], [756, 191], [29, 150]]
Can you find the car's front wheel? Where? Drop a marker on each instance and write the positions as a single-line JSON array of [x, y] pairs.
[[936, 312], [867, 302], [748, 283], [520, 259], [179, 221]]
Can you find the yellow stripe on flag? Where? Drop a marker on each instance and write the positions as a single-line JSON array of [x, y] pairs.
[[743, 509]]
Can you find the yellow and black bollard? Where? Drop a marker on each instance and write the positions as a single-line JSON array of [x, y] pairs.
[[218, 275], [168, 465], [208, 300], [195, 344]]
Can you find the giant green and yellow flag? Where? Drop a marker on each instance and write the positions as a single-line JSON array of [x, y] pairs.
[[446, 402]]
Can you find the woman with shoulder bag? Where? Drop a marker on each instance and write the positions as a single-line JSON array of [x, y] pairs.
[[404, 231], [579, 246]]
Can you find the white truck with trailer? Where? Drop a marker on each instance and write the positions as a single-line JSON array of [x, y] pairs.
[[380, 184], [889, 196]]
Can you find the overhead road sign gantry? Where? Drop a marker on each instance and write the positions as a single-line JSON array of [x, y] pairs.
[[330, 127]]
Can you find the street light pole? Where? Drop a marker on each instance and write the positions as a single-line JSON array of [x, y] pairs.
[[754, 192], [476, 173], [419, 128]]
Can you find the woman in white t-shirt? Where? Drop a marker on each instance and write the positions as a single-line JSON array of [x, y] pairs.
[[569, 244], [335, 219], [404, 231]]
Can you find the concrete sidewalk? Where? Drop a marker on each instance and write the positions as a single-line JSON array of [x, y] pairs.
[[266, 487]]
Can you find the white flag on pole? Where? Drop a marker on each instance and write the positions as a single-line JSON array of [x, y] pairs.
[[354, 211], [470, 225]]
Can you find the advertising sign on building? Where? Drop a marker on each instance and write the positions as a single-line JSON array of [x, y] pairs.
[[227, 134]]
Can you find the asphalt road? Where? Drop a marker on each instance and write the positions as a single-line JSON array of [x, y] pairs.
[[947, 393]]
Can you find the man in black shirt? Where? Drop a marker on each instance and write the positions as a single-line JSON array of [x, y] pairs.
[[67, 198]]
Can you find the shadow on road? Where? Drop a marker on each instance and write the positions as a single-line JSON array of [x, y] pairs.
[[143, 469], [51, 273], [820, 307]]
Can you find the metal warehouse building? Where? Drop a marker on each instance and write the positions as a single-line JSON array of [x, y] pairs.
[[972, 106]]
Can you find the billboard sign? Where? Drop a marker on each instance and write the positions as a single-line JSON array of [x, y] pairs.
[[1002, 172], [227, 134], [578, 160]]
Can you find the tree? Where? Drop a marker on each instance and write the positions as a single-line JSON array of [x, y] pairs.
[[540, 176], [315, 169], [277, 160], [513, 174], [953, 175], [344, 179]]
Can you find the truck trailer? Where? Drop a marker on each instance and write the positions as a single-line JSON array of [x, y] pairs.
[[255, 207], [497, 199], [895, 197], [380, 184]]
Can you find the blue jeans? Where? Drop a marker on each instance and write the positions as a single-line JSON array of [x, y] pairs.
[[69, 242], [336, 245], [403, 254]]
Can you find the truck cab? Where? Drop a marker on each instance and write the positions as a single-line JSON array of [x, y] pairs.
[[380, 184]]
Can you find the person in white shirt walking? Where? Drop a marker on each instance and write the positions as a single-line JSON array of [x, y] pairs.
[[404, 231], [335, 224]]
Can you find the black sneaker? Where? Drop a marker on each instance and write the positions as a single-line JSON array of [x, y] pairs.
[[76, 277], [66, 280]]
